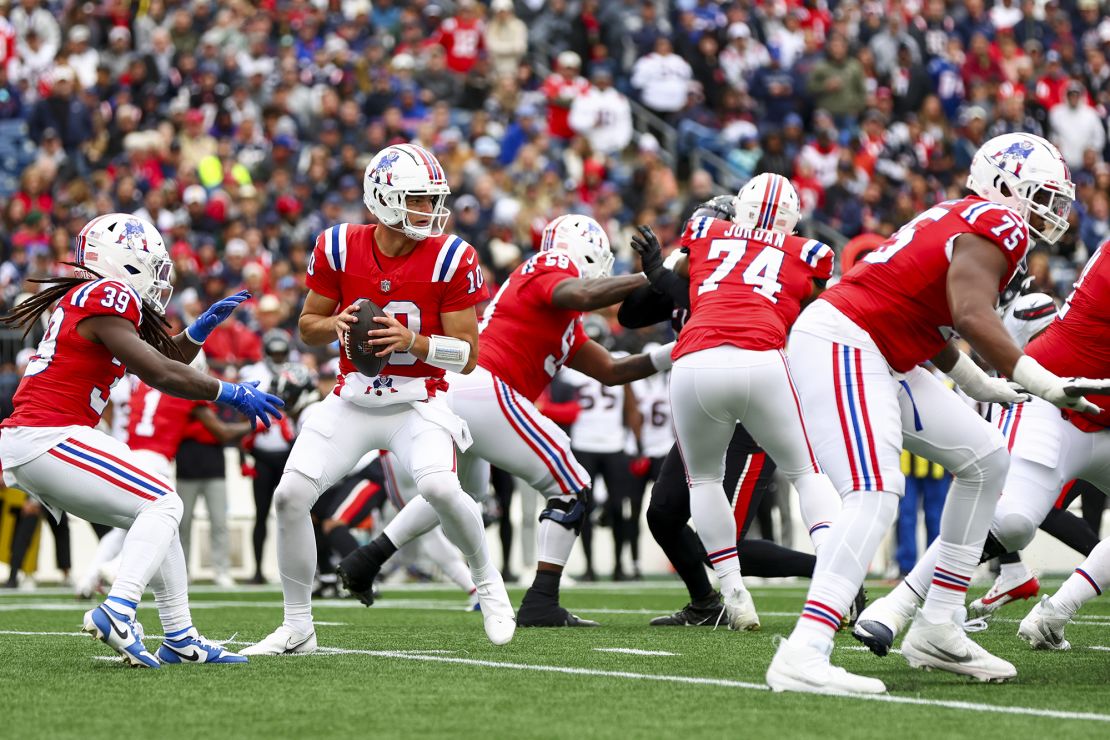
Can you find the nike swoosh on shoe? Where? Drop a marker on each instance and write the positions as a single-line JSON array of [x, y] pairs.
[[122, 634], [937, 652]]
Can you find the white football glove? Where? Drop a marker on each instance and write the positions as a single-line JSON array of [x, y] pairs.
[[1065, 393], [981, 387]]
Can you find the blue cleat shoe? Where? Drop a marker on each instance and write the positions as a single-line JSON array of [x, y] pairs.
[[119, 633], [190, 647]]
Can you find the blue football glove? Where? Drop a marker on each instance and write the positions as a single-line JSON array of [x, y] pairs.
[[218, 312], [252, 403]]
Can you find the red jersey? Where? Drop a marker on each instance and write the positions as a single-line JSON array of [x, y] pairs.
[[69, 377], [899, 293], [462, 40], [746, 285], [560, 93], [440, 276], [525, 338], [1077, 342], [158, 420]]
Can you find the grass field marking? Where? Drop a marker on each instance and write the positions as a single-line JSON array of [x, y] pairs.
[[728, 683], [635, 651], [24, 633], [331, 624]]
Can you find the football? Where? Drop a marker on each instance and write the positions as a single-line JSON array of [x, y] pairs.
[[357, 345]]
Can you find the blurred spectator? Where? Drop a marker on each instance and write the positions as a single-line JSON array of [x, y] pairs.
[[462, 36], [1077, 126], [561, 88], [602, 114], [663, 78], [837, 84], [506, 38]]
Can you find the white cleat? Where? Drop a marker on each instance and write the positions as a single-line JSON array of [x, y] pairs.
[[878, 624], [947, 647], [1043, 627], [283, 641], [1002, 592], [497, 611], [740, 610], [807, 669]]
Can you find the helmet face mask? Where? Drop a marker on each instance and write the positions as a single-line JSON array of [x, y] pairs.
[[128, 248], [768, 202], [1026, 173], [402, 172], [584, 241]]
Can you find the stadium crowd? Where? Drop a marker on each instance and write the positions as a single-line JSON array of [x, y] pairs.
[[242, 129]]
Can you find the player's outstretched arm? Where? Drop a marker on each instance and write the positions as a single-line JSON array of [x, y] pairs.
[[582, 294], [192, 339], [319, 324], [594, 360], [119, 336]]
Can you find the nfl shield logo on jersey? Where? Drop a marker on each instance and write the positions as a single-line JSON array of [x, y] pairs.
[[386, 286]]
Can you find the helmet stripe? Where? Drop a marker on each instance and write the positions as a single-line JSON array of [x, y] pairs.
[[764, 209], [773, 207], [433, 171]]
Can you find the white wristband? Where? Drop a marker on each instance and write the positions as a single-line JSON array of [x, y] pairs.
[[965, 372], [661, 357], [1030, 375], [448, 353]]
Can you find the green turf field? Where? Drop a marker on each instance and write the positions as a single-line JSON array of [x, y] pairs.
[[416, 666]]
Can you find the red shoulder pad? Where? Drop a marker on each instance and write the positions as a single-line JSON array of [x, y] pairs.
[[999, 224]]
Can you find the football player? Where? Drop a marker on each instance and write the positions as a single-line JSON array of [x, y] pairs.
[[858, 349], [428, 283], [748, 469], [530, 329], [109, 319], [748, 279], [1047, 449]]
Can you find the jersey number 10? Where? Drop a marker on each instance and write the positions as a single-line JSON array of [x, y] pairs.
[[762, 273]]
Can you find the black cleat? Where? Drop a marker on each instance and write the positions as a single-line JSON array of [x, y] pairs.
[[708, 614], [364, 592], [875, 635], [858, 605], [549, 615]]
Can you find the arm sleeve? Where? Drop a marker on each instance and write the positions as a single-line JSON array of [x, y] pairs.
[[645, 307], [322, 278], [467, 286]]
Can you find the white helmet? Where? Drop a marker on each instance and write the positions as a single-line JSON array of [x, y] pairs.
[[769, 202], [1028, 315], [584, 240], [394, 175], [128, 248], [1026, 173]]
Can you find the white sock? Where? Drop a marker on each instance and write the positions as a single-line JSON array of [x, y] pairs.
[[296, 548], [448, 558], [964, 525], [713, 518], [921, 575], [170, 585], [843, 562], [1012, 571], [554, 542], [145, 546], [819, 504], [1086, 582], [416, 519]]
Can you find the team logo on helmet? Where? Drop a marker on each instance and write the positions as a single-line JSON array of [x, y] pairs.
[[1016, 153], [134, 234], [384, 168]]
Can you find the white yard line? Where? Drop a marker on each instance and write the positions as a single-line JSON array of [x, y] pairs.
[[691, 680], [633, 651]]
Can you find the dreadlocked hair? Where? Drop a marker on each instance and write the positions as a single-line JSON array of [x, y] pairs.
[[152, 330]]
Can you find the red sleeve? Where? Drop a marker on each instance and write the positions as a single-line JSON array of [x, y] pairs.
[[819, 257], [108, 298], [695, 229], [467, 286], [322, 279], [551, 269], [551, 87]]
